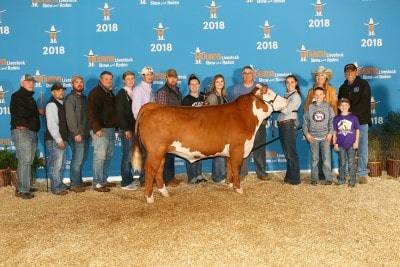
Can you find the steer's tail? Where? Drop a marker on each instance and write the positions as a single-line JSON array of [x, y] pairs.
[[136, 160]]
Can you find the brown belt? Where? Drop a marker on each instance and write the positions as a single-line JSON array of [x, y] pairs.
[[286, 121]]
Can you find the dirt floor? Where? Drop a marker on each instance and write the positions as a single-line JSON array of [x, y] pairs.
[[271, 224]]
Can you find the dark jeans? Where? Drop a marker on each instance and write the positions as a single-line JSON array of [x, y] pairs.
[[288, 133], [347, 162], [126, 168], [169, 168], [79, 156], [194, 171], [25, 145], [258, 154], [218, 173]]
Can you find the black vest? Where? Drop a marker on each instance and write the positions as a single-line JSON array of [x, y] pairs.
[[174, 98], [62, 121]]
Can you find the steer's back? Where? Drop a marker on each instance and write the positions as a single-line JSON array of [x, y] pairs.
[[207, 129]]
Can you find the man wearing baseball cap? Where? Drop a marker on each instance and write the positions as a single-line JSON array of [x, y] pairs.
[[56, 138], [169, 94], [142, 94], [25, 125], [358, 91]]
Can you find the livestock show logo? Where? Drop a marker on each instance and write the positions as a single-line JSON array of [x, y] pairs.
[[2, 95], [107, 61], [375, 73], [318, 8], [371, 27], [49, 80], [266, 34], [159, 3], [371, 40], [213, 58], [213, 23], [54, 48], [268, 76], [161, 46], [53, 3], [106, 11], [11, 65], [266, 1], [318, 21], [319, 56], [4, 110], [160, 31], [53, 34], [266, 29], [213, 10]]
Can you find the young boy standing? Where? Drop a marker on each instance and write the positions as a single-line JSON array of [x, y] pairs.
[[318, 130], [345, 141]]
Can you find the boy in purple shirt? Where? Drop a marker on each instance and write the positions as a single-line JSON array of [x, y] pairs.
[[345, 141]]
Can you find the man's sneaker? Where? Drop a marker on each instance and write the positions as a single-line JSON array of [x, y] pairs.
[[130, 187], [136, 181], [328, 183], [23, 195], [314, 183], [362, 180]]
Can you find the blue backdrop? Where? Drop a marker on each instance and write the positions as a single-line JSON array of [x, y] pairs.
[[56, 39]]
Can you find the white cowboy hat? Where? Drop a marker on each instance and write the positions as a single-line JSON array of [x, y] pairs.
[[322, 69]]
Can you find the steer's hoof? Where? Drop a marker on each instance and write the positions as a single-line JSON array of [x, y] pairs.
[[239, 190], [163, 191], [150, 199]]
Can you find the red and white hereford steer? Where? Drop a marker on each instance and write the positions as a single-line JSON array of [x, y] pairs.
[[200, 132]]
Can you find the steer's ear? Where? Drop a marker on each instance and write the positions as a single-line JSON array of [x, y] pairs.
[[264, 89], [260, 89]]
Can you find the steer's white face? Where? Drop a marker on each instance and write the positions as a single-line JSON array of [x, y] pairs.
[[275, 102]]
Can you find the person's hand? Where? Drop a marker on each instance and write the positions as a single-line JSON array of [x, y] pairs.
[[61, 145], [78, 138], [128, 135], [99, 133], [309, 138]]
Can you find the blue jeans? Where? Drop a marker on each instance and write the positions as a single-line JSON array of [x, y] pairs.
[[79, 156], [218, 169], [126, 167], [325, 148], [56, 164], [103, 151], [288, 134], [169, 168], [25, 142], [258, 154], [194, 171], [363, 151], [347, 158]]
